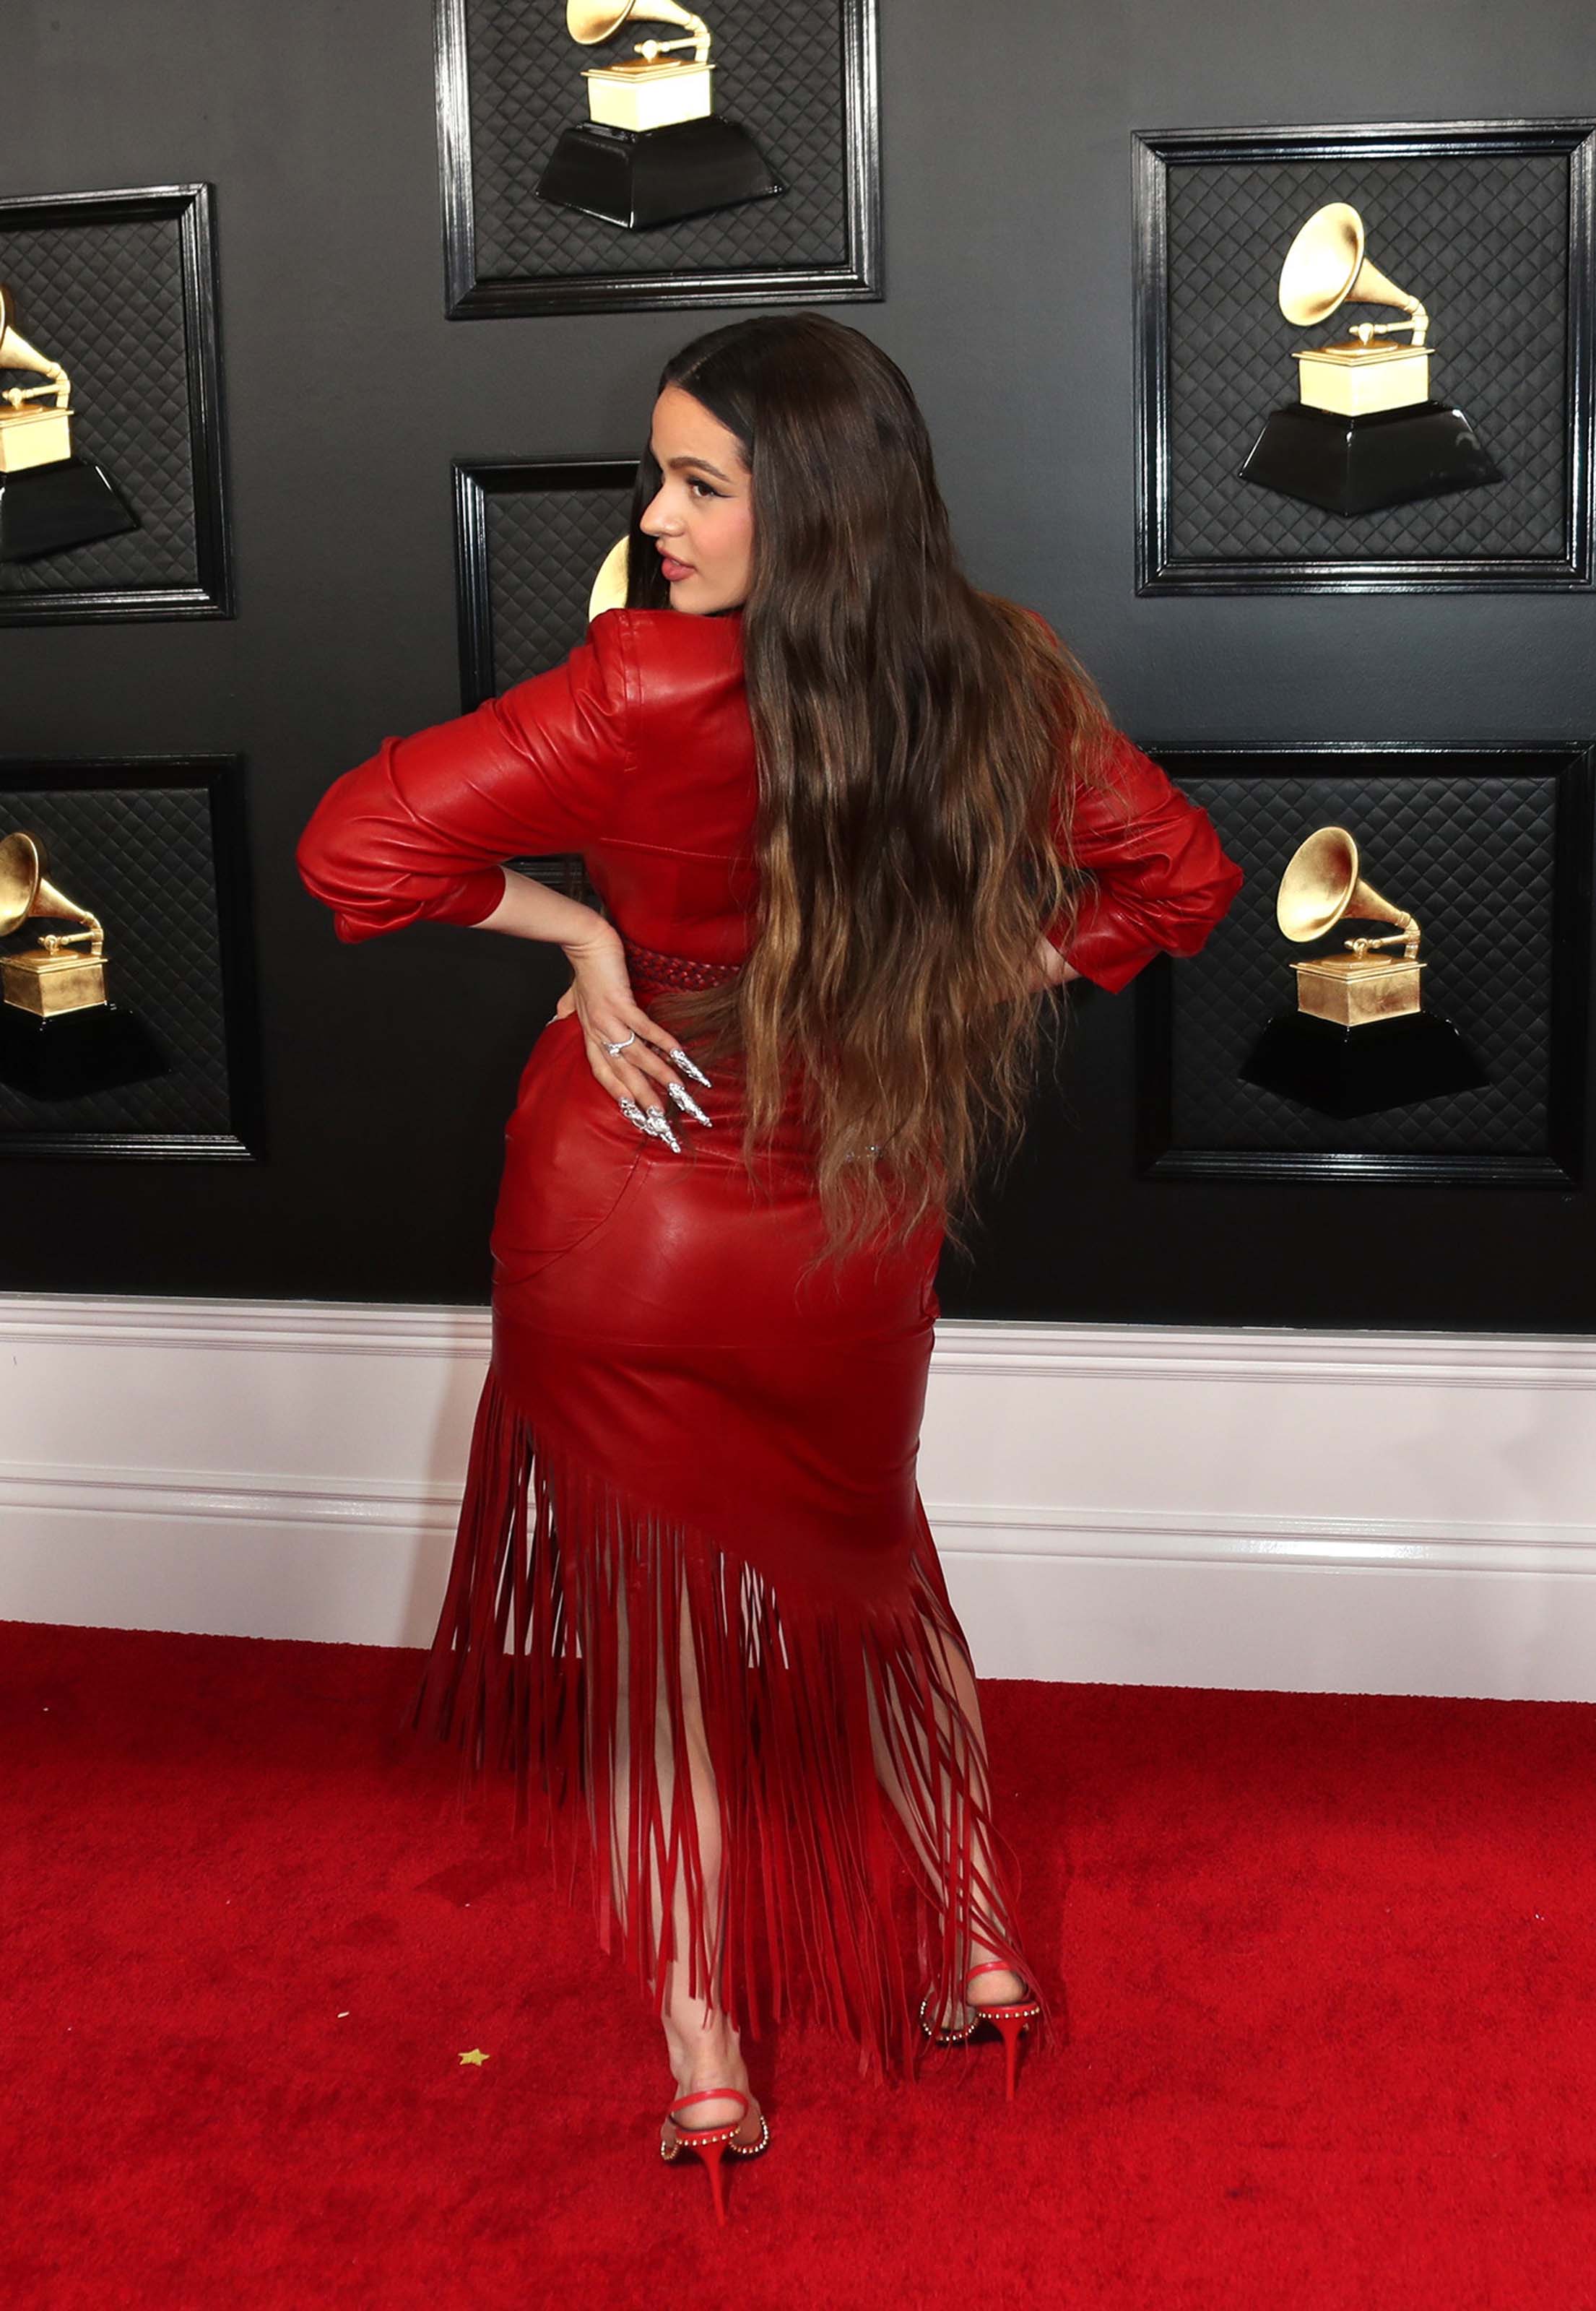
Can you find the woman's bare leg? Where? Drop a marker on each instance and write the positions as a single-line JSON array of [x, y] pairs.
[[922, 1788], [702, 2047]]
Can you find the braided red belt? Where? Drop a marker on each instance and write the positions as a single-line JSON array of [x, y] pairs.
[[659, 970], [648, 966]]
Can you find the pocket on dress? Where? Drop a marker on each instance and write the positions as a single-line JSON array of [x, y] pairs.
[[570, 1156]]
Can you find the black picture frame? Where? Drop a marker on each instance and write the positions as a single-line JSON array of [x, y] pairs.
[[469, 295], [1559, 1165], [1164, 563], [210, 595], [218, 780], [478, 482]]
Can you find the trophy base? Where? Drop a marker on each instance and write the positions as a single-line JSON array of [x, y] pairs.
[[1348, 1071], [1361, 465], [45, 509], [639, 177], [75, 1052]]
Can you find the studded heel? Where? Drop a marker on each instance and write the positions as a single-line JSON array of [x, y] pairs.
[[1009, 2021], [711, 2141]]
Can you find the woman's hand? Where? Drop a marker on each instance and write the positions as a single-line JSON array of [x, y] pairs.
[[1049, 969], [600, 994]]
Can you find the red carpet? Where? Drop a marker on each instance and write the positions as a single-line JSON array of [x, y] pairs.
[[1331, 1967]]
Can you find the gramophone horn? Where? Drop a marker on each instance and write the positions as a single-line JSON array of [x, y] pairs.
[[590, 21], [1325, 267], [609, 587], [26, 893], [16, 353], [1321, 883]]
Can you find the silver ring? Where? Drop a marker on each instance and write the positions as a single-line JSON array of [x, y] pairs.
[[612, 1048]]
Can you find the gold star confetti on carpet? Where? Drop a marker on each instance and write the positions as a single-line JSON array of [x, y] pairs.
[[475, 2056]]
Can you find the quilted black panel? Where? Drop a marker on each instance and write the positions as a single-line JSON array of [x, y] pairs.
[[106, 300], [1482, 238], [1472, 856], [141, 859], [544, 547], [779, 74]]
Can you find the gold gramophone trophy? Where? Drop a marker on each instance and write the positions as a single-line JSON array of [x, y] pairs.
[[653, 148], [1360, 1039], [612, 584], [1365, 432], [59, 1035], [50, 498]]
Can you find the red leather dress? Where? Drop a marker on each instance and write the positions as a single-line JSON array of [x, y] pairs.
[[692, 1470]]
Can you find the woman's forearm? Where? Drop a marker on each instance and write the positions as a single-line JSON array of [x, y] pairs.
[[530, 909]]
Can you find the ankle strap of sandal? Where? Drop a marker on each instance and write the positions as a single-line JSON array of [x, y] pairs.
[[993, 1965], [712, 2094]]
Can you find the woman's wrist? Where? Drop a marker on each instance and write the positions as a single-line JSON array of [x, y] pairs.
[[598, 937], [530, 909]]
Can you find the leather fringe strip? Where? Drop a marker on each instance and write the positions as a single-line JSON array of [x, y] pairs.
[[575, 1621]]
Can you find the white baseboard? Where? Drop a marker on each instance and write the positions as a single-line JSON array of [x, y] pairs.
[[1235, 1508]]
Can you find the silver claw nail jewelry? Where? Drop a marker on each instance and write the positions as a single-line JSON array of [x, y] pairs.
[[633, 1113], [678, 1058], [660, 1129], [685, 1101], [612, 1048]]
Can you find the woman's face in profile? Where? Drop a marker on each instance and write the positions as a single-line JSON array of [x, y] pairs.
[[701, 515]]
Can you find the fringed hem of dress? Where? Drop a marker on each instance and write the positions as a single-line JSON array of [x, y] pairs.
[[578, 1621]]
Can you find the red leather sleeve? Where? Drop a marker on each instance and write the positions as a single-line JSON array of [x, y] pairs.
[[419, 831], [1157, 879]]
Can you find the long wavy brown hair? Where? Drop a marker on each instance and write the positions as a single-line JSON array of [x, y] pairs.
[[919, 745]]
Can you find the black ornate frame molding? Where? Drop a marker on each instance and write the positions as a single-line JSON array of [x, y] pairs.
[[468, 297], [1157, 570], [213, 595], [476, 480], [1573, 765], [221, 778]]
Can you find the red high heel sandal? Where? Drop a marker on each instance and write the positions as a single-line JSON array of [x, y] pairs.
[[1009, 2021], [710, 2142]]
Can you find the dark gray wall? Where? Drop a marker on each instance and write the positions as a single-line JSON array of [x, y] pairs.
[[1006, 139]]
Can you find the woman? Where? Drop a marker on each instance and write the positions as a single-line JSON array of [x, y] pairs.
[[848, 817]]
